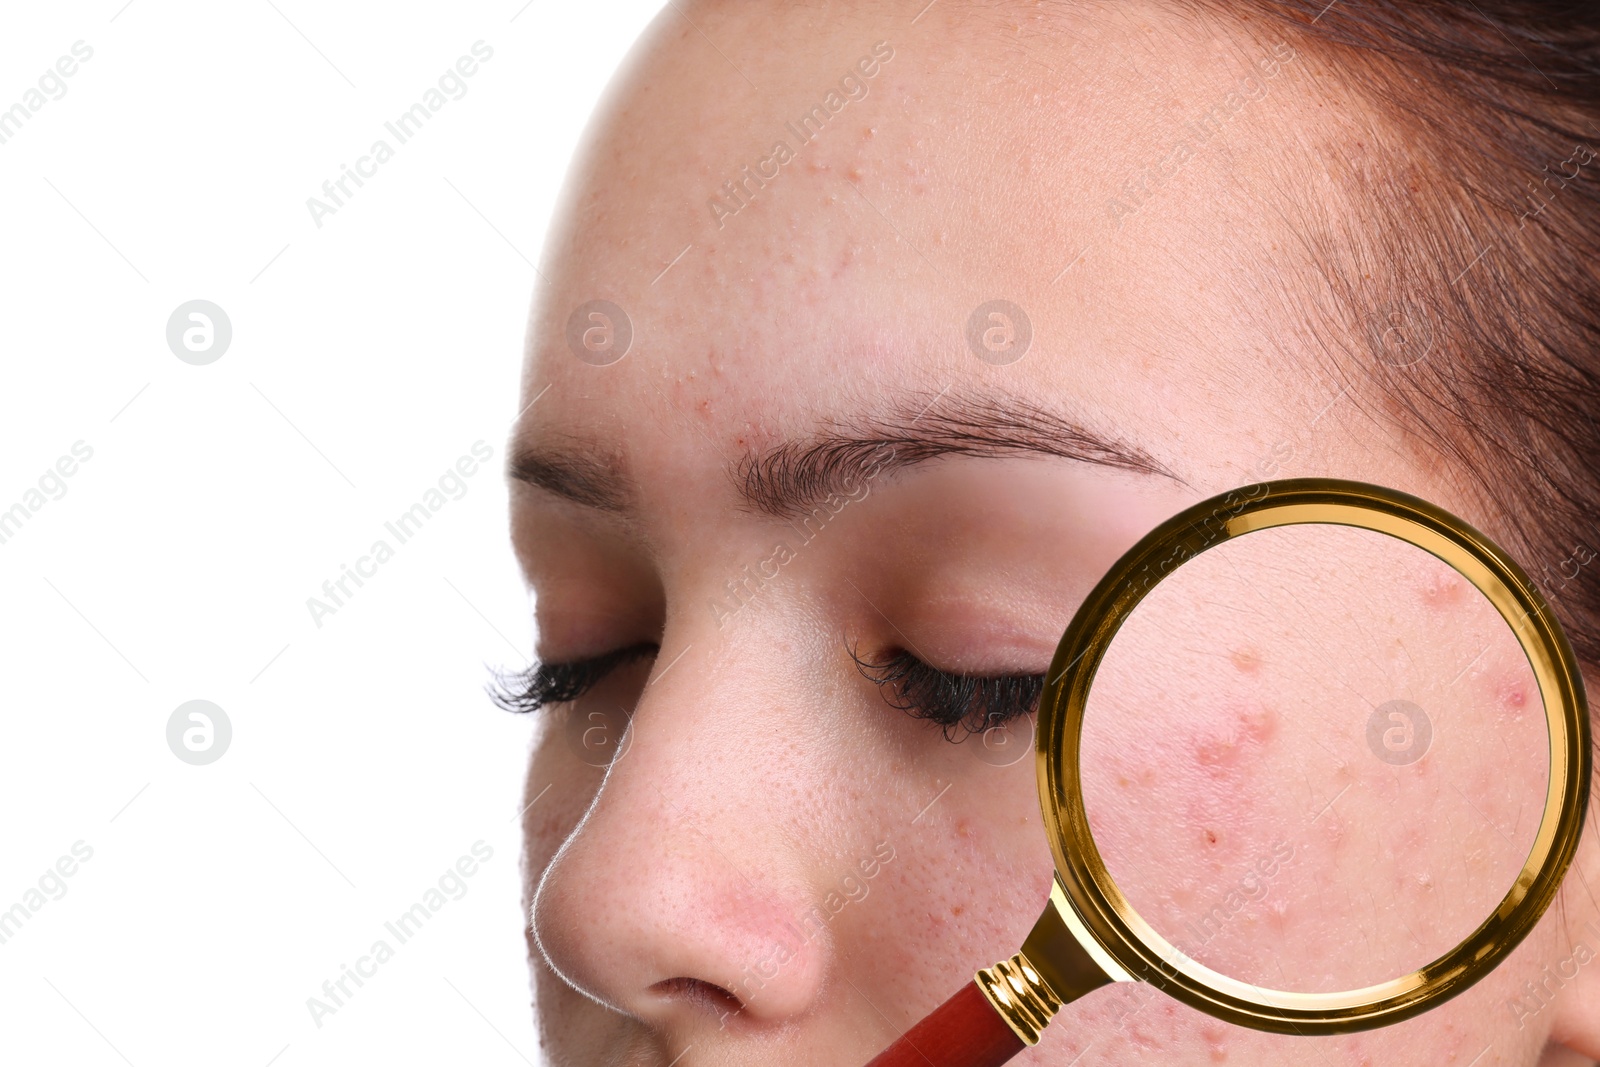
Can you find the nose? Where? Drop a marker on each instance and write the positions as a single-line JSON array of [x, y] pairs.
[[681, 896]]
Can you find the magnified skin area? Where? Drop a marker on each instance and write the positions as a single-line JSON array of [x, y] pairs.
[[705, 899], [1285, 765]]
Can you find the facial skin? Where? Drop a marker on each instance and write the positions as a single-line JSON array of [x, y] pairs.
[[762, 774]]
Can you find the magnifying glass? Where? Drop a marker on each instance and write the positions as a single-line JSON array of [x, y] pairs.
[[1313, 758]]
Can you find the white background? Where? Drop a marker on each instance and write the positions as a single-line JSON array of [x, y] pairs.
[[367, 356]]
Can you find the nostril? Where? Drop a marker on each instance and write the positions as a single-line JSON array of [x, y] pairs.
[[694, 991]]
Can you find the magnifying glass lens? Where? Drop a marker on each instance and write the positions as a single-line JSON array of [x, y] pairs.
[[1314, 759]]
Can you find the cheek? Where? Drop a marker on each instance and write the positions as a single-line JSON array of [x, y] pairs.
[[1190, 775], [1244, 831], [970, 876]]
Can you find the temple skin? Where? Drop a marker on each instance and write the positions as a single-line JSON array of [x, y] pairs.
[[996, 151]]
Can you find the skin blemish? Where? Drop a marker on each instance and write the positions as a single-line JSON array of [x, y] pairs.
[[1216, 1043], [1511, 695], [1443, 589], [1222, 749], [1246, 660]]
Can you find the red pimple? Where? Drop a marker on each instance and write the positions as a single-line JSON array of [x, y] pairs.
[[1258, 725], [1513, 696], [1249, 726]]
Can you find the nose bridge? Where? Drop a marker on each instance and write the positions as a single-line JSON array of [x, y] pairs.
[[690, 869]]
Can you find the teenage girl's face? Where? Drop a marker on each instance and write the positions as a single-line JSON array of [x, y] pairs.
[[1013, 290]]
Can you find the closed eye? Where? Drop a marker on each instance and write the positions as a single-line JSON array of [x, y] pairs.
[[961, 704]]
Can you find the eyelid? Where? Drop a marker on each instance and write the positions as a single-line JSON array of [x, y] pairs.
[[622, 653]]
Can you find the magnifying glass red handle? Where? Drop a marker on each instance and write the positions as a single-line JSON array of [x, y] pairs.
[[964, 1031], [1004, 1008]]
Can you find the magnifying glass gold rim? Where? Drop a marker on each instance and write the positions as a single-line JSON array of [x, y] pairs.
[[1081, 873]]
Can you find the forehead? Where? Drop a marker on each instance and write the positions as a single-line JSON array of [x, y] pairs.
[[787, 213]]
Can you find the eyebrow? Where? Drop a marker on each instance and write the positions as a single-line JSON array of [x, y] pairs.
[[792, 478]]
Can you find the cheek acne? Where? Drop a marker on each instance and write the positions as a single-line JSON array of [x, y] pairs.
[[1233, 738], [1511, 697], [1227, 748], [1246, 660]]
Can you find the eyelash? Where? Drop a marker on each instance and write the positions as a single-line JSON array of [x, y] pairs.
[[523, 692], [960, 704]]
